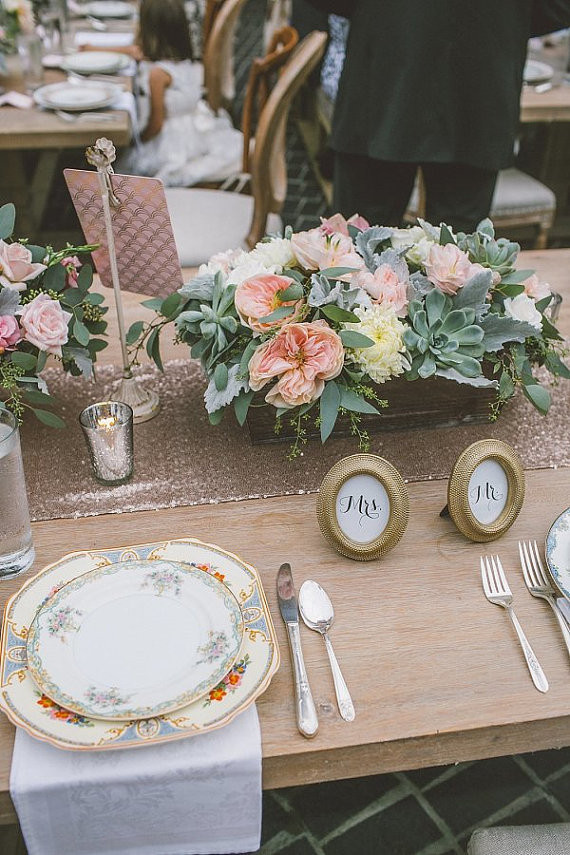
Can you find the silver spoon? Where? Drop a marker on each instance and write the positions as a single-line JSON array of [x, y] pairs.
[[318, 614]]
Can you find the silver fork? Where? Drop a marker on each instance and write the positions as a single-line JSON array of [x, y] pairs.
[[538, 584], [497, 591]]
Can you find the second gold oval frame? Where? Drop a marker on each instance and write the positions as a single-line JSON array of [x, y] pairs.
[[393, 483]]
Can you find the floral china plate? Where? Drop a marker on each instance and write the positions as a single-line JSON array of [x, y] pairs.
[[134, 639], [558, 552], [249, 676]]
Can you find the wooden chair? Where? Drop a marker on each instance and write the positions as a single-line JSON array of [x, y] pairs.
[[209, 221], [519, 200], [220, 23]]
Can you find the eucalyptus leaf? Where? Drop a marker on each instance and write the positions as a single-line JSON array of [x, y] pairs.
[[216, 417], [335, 313], [353, 339], [7, 220], [350, 400], [337, 272], [55, 277], [516, 277], [154, 303], [34, 396], [171, 305], [556, 366], [241, 405], [134, 331], [445, 235], [153, 348], [221, 376], [539, 396], [278, 314], [80, 332], [49, 419], [293, 292], [329, 406], [24, 360], [85, 277], [38, 253]]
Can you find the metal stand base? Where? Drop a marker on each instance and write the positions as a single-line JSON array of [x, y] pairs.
[[145, 403]]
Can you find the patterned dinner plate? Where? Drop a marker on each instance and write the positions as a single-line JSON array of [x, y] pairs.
[[134, 639], [248, 677], [558, 552]]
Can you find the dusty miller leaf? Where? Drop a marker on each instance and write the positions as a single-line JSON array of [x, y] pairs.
[[500, 329], [216, 399]]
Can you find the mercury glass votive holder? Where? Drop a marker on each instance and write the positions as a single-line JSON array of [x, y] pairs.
[[108, 430]]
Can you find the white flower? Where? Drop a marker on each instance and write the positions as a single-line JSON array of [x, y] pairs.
[[277, 252], [523, 308], [419, 253], [406, 237], [223, 262], [385, 358], [249, 266]]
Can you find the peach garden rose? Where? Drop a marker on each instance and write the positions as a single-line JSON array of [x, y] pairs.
[[384, 287], [16, 266], [449, 268], [44, 324], [302, 357], [259, 296]]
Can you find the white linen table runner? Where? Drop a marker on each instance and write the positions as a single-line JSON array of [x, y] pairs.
[[194, 796]]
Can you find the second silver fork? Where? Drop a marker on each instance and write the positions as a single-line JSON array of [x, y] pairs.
[[497, 591], [538, 585]]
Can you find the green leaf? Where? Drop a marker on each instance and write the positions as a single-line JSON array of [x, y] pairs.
[[506, 385], [543, 304], [445, 235], [49, 419], [85, 278], [97, 344], [171, 305], [500, 329], [134, 331], [356, 340], [72, 297], [516, 277], [550, 331], [55, 277], [337, 272], [294, 274], [355, 403], [27, 361], [34, 396], [241, 405], [281, 312], [293, 292], [7, 220], [38, 253], [342, 316], [556, 366], [42, 359], [329, 406], [94, 299], [511, 290], [154, 303], [216, 418], [81, 333], [221, 376], [539, 396], [153, 348]]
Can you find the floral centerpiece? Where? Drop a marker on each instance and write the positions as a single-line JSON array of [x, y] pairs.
[[16, 16], [315, 323], [46, 308]]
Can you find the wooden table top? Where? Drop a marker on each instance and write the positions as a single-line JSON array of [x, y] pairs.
[[435, 671]]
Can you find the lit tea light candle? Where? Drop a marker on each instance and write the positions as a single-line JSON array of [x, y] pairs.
[[108, 430]]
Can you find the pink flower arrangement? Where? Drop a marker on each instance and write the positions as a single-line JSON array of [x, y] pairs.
[[72, 265], [338, 224], [45, 324], [384, 287], [10, 333], [302, 356], [319, 249], [16, 266], [449, 268], [259, 296]]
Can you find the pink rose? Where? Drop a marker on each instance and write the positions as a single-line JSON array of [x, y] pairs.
[[45, 324], [536, 289], [449, 268], [9, 332], [384, 287], [72, 265], [337, 223], [317, 250], [258, 296], [16, 266], [302, 356]]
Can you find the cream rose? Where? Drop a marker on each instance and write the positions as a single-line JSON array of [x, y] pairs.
[[317, 250], [523, 308], [16, 266], [44, 324], [449, 268]]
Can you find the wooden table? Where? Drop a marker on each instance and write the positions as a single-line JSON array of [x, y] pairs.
[[435, 671]]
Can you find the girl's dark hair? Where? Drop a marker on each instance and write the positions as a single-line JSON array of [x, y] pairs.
[[164, 32]]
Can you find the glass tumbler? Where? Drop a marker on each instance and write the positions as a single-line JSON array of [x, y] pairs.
[[16, 548], [30, 50], [108, 430]]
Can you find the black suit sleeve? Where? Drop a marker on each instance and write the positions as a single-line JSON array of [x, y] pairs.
[[335, 7], [549, 16]]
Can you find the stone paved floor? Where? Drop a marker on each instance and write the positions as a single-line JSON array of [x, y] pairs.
[[426, 812]]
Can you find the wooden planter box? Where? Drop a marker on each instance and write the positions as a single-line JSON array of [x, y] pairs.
[[419, 404]]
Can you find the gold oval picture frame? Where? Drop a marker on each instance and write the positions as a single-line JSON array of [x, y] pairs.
[[363, 506], [486, 488]]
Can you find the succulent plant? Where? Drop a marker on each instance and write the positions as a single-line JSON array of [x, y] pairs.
[[482, 248], [209, 327], [442, 337]]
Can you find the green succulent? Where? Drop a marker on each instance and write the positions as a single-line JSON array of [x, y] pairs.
[[441, 337], [482, 248], [210, 327]]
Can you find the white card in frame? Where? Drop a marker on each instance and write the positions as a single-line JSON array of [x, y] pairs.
[[363, 506]]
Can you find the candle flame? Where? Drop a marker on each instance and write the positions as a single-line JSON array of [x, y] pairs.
[[106, 422]]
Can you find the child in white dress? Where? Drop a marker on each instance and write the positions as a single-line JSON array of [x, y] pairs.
[[182, 141]]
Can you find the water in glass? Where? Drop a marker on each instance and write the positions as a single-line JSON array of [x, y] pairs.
[[16, 549]]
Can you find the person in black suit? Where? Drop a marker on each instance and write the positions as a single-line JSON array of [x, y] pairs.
[[433, 84]]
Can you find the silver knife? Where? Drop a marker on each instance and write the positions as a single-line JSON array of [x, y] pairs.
[[307, 720]]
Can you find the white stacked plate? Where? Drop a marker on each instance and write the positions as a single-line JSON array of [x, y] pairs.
[[537, 72], [96, 62], [109, 9], [77, 96]]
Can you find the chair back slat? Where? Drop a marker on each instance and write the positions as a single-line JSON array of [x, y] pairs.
[[262, 77], [269, 173], [219, 55]]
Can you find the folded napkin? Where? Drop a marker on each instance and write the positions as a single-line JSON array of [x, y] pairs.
[[16, 99], [90, 37], [191, 797]]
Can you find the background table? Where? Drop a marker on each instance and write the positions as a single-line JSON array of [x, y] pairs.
[[435, 671]]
